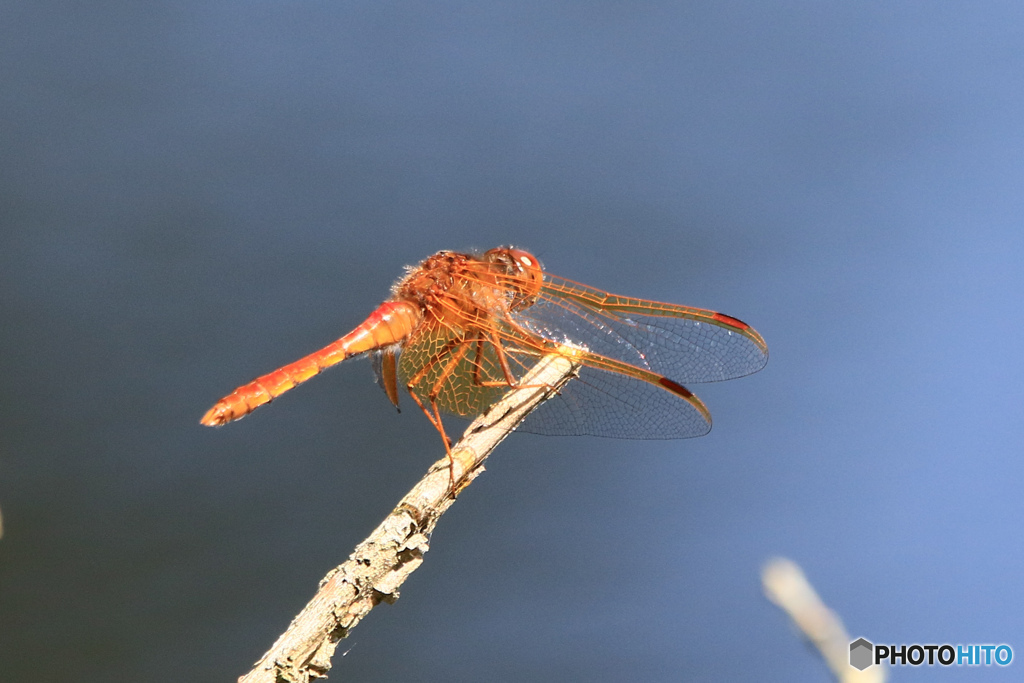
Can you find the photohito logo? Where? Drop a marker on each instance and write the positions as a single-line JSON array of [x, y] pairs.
[[864, 654]]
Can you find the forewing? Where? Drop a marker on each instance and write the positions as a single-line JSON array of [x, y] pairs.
[[468, 379], [682, 343], [634, 355], [602, 403]]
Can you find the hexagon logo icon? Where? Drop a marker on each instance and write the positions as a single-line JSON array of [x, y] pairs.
[[861, 654]]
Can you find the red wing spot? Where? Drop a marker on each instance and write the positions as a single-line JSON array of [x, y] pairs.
[[675, 388], [729, 320]]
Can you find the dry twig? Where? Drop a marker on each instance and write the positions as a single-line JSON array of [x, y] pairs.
[[381, 563], [785, 585]]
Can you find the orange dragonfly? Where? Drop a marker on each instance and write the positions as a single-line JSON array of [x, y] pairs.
[[462, 329]]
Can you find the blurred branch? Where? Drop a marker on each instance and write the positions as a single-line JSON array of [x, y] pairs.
[[381, 563], [785, 584]]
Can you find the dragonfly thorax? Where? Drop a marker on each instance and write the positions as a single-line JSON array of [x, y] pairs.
[[461, 289]]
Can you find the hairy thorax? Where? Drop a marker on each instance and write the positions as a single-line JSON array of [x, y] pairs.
[[459, 290]]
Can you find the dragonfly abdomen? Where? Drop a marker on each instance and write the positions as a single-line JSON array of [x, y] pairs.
[[391, 323]]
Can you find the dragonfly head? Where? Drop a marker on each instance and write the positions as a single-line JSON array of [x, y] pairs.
[[523, 272]]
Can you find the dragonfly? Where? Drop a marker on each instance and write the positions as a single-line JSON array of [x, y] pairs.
[[460, 330]]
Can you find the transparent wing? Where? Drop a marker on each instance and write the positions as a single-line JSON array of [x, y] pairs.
[[602, 403], [682, 343], [634, 354], [462, 366], [607, 399]]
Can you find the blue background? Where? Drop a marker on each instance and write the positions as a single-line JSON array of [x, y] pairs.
[[194, 193]]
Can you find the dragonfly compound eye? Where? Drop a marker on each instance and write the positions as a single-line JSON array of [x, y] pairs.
[[530, 273]]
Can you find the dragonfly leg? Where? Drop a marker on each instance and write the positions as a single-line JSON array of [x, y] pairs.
[[449, 368], [503, 356], [418, 377], [478, 365], [434, 413], [435, 423], [502, 360], [478, 362]]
